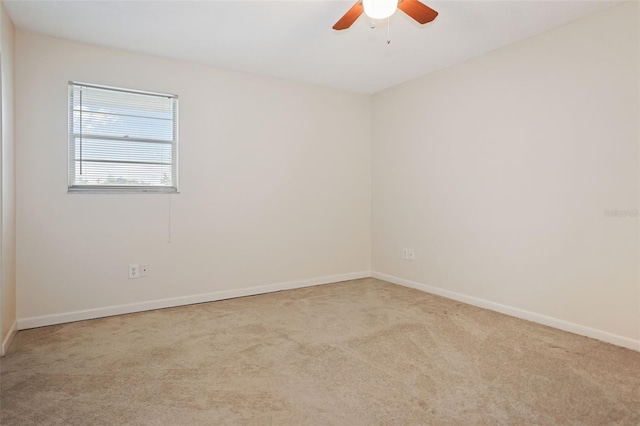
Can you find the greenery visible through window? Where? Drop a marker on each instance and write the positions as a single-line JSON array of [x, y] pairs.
[[122, 140]]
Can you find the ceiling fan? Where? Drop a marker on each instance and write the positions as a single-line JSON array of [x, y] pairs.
[[380, 9]]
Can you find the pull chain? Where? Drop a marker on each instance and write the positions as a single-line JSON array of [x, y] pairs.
[[389, 30]]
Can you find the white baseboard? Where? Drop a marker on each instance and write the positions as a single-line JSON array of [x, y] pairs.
[[41, 321], [515, 312], [9, 338], [44, 320]]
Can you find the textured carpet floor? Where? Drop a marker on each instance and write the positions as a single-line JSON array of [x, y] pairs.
[[358, 352]]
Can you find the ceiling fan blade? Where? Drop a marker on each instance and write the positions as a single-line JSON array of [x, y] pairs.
[[350, 17], [418, 11]]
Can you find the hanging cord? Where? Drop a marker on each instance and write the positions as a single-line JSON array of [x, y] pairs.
[[169, 224], [81, 90]]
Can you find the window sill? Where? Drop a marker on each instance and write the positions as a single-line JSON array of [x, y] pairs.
[[120, 190]]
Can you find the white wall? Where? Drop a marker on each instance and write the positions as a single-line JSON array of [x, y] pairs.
[[274, 181], [497, 172], [8, 197]]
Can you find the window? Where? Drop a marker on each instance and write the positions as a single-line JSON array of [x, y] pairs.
[[122, 140]]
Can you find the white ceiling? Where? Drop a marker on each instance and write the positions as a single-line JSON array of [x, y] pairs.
[[293, 40]]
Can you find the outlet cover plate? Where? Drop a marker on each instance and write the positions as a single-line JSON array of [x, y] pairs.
[[134, 271]]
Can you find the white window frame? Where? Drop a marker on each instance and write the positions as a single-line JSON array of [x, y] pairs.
[[73, 187]]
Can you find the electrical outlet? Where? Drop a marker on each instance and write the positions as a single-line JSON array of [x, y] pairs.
[[144, 271], [408, 254], [134, 271]]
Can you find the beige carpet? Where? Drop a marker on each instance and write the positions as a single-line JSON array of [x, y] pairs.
[[355, 353]]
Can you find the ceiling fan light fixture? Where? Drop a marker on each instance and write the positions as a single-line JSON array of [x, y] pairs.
[[379, 9]]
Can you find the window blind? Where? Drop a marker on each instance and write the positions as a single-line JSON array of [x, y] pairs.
[[122, 139]]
